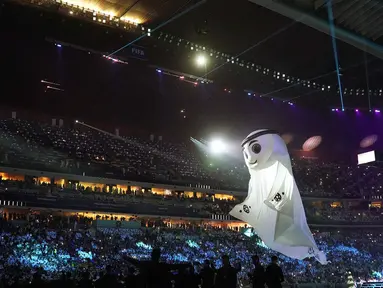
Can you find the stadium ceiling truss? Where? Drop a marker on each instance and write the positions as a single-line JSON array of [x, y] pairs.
[[357, 22]]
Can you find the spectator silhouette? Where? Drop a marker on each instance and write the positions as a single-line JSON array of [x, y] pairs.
[[258, 275], [207, 275], [37, 281], [85, 281], [131, 280], [108, 280], [274, 274], [155, 274], [226, 275]]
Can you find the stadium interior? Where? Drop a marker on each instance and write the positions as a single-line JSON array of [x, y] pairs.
[[121, 125]]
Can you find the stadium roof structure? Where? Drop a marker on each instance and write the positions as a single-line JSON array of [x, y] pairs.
[[250, 49], [134, 11], [357, 22]]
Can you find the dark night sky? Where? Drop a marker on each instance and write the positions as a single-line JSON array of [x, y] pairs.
[[135, 98]]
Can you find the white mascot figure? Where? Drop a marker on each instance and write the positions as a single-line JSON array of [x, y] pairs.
[[273, 206]]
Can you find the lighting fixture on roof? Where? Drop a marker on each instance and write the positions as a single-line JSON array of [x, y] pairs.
[[217, 146], [201, 60], [131, 20]]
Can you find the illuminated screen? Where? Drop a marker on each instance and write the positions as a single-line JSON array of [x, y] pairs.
[[366, 157]]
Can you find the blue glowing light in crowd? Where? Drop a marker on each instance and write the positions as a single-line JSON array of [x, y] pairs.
[[343, 248], [249, 232], [192, 244], [177, 257], [144, 246], [377, 275], [39, 255], [262, 244], [85, 255]]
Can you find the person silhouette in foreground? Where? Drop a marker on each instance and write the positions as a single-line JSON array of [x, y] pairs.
[[274, 274], [155, 274], [226, 275], [85, 281], [131, 279], [258, 275], [37, 280], [108, 279], [207, 275]]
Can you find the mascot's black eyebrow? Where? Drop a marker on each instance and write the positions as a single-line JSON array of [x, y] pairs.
[[256, 135]]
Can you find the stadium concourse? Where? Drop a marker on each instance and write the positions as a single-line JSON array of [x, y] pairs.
[[43, 236]]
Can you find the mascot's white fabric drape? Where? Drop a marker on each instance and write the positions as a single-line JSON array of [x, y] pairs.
[[273, 205]]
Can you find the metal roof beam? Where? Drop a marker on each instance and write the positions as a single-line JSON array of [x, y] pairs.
[[364, 14], [344, 7], [370, 21], [322, 26], [372, 29], [127, 9], [353, 10], [370, 12], [376, 33], [320, 3]]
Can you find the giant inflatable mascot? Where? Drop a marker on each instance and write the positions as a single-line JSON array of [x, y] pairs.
[[273, 206]]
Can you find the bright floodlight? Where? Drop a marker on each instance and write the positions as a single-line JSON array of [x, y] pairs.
[[217, 146], [201, 60]]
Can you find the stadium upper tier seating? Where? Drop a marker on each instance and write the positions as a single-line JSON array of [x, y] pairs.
[[28, 144]]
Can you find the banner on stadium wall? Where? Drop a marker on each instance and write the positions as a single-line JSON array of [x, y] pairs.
[[117, 224], [323, 234], [137, 52]]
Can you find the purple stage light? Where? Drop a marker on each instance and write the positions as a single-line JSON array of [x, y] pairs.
[[158, 70], [377, 111], [336, 109], [356, 110]]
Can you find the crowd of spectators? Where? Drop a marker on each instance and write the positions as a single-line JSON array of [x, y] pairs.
[[86, 151], [52, 249], [318, 211], [47, 249]]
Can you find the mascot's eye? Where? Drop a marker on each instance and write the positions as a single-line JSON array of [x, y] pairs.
[[256, 148]]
